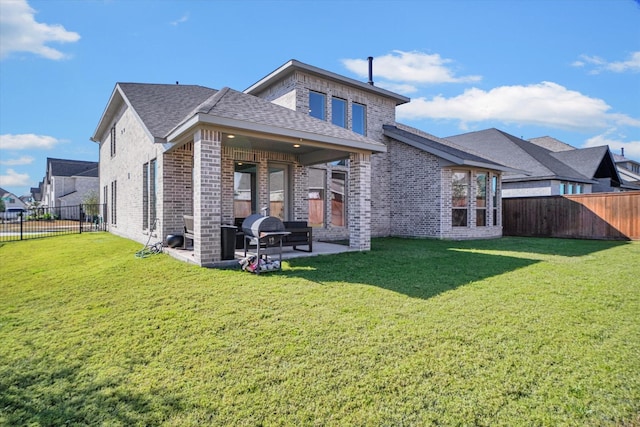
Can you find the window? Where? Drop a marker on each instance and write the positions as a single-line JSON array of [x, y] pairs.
[[113, 140], [149, 185], [494, 198], [145, 196], [245, 190], [105, 200], [338, 199], [459, 199], [114, 191], [562, 188], [278, 191], [317, 102], [339, 112], [481, 200], [358, 118], [317, 179]]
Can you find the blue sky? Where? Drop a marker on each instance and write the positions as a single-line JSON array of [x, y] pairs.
[[566, 69]]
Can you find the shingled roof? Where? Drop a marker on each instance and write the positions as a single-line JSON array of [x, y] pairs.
[[440, 148], [237, 109], [160, 106], [538, 162], [65, 167], [168, 111]]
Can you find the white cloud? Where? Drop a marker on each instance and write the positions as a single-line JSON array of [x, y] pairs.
[[544, 104], [19, 32], [26, 141], [599, 64], [182, 19], [14, 179], [24, 160], [631, 148], [408, 67]]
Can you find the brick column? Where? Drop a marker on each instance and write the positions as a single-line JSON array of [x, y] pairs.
[[359, 202], [207, 207]]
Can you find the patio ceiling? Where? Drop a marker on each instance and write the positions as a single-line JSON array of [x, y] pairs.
[[308, 153]]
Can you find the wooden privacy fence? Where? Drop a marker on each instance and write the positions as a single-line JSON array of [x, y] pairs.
[[607, 216]]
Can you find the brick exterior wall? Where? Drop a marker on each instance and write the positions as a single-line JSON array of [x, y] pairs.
[[416, 199], [134, 147]]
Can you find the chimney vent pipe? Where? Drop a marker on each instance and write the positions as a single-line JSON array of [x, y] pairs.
[[370, 70]]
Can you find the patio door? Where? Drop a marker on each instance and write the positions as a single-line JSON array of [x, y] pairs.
[[245, 190], [279, 191]]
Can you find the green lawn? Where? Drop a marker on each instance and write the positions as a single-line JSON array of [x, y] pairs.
[[505, 332]]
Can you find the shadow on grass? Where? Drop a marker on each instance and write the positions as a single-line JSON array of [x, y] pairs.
[[61, 395], [425, 268]]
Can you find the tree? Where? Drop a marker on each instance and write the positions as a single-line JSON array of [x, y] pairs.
[[90, 202], [2, 206]]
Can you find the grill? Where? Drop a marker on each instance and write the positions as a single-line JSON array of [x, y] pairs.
[[265, 234]]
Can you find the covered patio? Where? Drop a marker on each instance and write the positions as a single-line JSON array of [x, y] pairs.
[[206, 152]]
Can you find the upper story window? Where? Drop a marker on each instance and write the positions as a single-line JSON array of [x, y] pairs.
[[358, 118], [113, 140], [339, 112], [317, 102]]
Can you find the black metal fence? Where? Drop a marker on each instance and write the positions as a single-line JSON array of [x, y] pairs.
[[47, 222]]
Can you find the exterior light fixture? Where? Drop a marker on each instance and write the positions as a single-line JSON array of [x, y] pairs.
[[296, 145]]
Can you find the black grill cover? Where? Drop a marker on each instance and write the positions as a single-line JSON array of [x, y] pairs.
[[255, 224]]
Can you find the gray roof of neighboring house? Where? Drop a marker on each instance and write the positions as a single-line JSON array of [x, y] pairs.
[[551, 144], [440, 147], [65, 167], [594, 162], [537, 162]]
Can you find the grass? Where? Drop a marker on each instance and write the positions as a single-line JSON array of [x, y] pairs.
[[415, 332]]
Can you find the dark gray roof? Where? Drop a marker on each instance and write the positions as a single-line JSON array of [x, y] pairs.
[[551, 143], [440, 148], [64, 167], [594, 162], [501, 147], [160, 106]]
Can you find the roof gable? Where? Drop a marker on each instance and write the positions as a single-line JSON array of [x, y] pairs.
[[594, 162], [295, 65]]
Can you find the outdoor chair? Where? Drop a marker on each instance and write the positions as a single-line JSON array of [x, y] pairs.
[[188, 230]]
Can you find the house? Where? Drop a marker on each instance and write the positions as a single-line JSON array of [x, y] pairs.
[[13, 205], [590, 159], [546, 166], [66, 183], [629, 170], [302, 143]]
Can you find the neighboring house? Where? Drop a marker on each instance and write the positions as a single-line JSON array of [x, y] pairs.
[[547, 167], [628, 169], [67, 183], [303, 143], [629, 180], [13, 204]]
